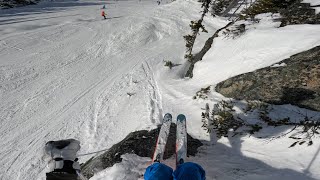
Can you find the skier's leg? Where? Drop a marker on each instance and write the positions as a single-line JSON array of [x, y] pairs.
[[158, 171], [63, 162], [61, 176], [189, 171]]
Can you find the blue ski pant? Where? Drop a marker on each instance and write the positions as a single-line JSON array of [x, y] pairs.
[[185, 171]]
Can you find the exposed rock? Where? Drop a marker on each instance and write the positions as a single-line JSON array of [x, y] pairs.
[[141, 143], [296, 82]]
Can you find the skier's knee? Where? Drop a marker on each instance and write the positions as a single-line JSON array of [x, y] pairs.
[[189, 170], [158, 171]]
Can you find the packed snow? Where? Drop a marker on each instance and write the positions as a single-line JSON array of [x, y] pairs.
[[67, 73]]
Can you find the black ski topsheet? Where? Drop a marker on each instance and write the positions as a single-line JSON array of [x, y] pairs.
[[181, 139]]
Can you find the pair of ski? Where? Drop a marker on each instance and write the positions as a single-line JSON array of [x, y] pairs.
[[181, 139]]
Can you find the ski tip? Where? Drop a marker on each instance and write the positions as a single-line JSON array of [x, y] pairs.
[[181, 161], [168, 115], [167, 118], [157, 159], [181, 117]]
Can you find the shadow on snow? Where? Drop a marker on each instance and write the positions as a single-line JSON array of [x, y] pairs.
[[223, 162], [226, 161], [46, 7]]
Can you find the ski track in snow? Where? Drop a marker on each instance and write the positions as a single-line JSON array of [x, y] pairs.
[[155, 96], [66, 73], [69, 74]]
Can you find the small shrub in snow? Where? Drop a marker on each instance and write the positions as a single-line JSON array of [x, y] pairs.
[[221, 119], [253, 105], [254, 128], [309, 129], [203, 93], [218, 6], [265, 6], [234, 31], [261, 6], [170, 64], [224, 119]]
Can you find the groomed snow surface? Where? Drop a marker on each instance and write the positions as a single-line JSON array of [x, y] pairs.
[[67, 73]]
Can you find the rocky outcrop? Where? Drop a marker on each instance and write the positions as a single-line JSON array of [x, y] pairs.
[[295, 80], [141, 143]]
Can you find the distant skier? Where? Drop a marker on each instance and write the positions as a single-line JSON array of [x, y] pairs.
[[185, 171], [63, 162], [103, 14], [103, 7]]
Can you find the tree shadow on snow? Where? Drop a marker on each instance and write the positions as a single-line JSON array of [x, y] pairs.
[[307, 170], [19, 20], [224, 159], [224, 162]]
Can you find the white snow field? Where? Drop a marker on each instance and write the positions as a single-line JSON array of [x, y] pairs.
[[67, 73]]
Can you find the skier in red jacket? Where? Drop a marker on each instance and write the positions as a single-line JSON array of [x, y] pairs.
[[103, 14]]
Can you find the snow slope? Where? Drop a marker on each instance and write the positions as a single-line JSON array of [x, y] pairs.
[[66, 73]]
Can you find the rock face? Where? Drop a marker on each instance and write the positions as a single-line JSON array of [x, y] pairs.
[[141, 143], [297, 82]]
